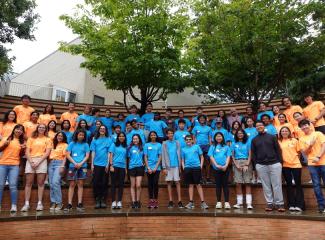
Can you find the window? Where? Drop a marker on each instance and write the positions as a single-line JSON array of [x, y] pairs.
[[60, 95], [63, 95], [72, 97], [98, 100]]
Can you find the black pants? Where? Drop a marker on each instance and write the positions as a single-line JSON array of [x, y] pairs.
[[153, 187], [100, 182], [295, 196], [222, 184], [117, 181], [320, 129]]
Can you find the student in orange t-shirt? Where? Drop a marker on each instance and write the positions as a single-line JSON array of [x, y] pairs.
[[30, 126], [8, 124], [56, 169], [313, 145], [24, 111], [291, 169], [284, 123], [47, 115], [315, 112], [37, 151], [71, 115], [290, 109], [11, 148], [276, 112], [51, 126], [298, 132]]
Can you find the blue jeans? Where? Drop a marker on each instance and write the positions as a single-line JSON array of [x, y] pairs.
[[55, 181], [11, 172], [317, 173]]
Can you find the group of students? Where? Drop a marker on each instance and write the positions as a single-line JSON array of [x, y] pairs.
[[267, 146]]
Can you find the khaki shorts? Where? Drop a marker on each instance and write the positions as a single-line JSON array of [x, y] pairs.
[[241, 176], [172, 175], [42, 168]]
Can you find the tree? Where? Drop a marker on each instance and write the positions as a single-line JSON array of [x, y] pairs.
[[17, 19], [247, 50], [132, 45]]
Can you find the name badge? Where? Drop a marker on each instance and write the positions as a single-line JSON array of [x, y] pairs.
[[134, 151], [248, 134], [217, 150], [75, 154], [198, 131], [150, 148], [237, 146]]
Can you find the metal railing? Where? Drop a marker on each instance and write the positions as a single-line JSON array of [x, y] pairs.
[[4, 87]]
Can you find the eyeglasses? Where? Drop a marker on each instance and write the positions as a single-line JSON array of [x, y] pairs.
[[189, 139]]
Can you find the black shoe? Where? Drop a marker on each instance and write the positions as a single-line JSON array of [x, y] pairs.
[[133, 205], [68, 208], [137, 204], [97, 205], [103, 203], [180, 204], [321, 210], [80, 207], [209, 181], [170, 204]]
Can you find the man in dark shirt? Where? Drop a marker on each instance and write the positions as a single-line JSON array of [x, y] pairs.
[[266, 155]]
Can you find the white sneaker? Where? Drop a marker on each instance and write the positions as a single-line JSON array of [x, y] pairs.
[[249, 206], [237, 206], [291, 209], [219, 205], [39, 207], [259, 181], [113, 205], [227, 205], [119, 205], [25, 208], [298, 209], [13, 208]]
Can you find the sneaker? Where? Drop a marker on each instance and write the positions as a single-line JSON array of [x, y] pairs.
[[58, 207], [171, 204], [80, 207], [269, 208], [68, 208], [103, 203], [180, 205], [119, 205], [281, 208], [190, 205], [150, 203], [156, 205], [133, 205], [249, 207], [253, 181], [204, 205], [113, 205], [52, 206], [219, 205], [138, 204], [321, 210], [13, 208], [39, 207], [297, 209], [25, 208], [237, 206], [292, 209], [227, 205], [97, 203], [259, 181]]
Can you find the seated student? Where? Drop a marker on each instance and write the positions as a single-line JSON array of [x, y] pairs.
[[11, 147], [31, 125], [82, 124], [168, 118], [133, 114], [219, 154], [99, 160], [171, 163], [136, 169], [135, 130], [290, 109], [276, 112], [70, 115], [77, 154], [8, 124], [234, 128], [152, 158], [108, 121], [315, 112], [269, 128], [117, 168], [284, 123], [192, 163], [313, 145], [95, 118], [120, 122], [219, 128], [291, 169], [158, 126], [202, 137], [86, 115], [242, 167], [24, 111], [181, 133], [233, 117], [51, 126], [65, 127], [148, 116], [262, 111], [188, 123], [116, 132], [195, 120], [47, 115]]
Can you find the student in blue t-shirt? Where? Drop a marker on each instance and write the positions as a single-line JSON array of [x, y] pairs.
[[195, 120], [219, 154], [218, 127], [202, 137], [262, 111], [158, 126], [86, 116], [188, 123], [135, 130], [192, 163], [77, 154], [95, 119], [148, 116], [117, 167], [136, 169], [181, 133], [242, 167], [236, 125], [99, 160], [120, 122], [65, 127], [108, 121], [269, 127], [82, 124], [133, 114], [250, 129], [115, 133], [152, 158]]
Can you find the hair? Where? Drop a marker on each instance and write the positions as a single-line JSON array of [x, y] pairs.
[[280, 135], [76, 133], [133, 121], [202, 116], [95, 110], [170, 130], [97, 134], [223, 142], [259, 121], [108, 110], [188, 136], [31, 114], [262, 103], [117, 126], [149, 104], [224, 114], [282, 114], [118, 143], [120, 114], [307, 94], [179, 111], [35, 133], [51, 111], [245, 138], [5, 119], [303, 122], [274, 107], [63, 122], [297, 113], [140, 142], [181, 121], [249, 118], [282, 100], [263, 115], [71, 103], [55, 139], [25, 96], [149, 138], [79, 124], [233, 124], [48, 125], [249, 107], [21, 138], [169, 109], [199, 108]]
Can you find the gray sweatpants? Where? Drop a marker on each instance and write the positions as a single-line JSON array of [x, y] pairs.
[[270, 176]]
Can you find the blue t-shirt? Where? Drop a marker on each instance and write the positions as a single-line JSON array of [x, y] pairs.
[[88, 118], [93, 126], [108, 122], [131, 117], [121, 124], [223, 131], [202, 134], [119, 155], [157, 126], [130, 135], [196, 121], [69, 136], [113, 137], [241, 150], [220, 154], [147, 117], [269, 113], [188, 123], [136, 157], [251, 133], [100, 147], [191, 156], [152, 151], [270, 129], [180, 136], [78, 152], [172, 153]]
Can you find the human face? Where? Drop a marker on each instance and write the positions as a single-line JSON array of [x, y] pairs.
[[133, 110], [305, 128], [181, 114], [59, 137], [98, 124], [18, 132], [298, 117], [11, 116], [308, 100], [202, 120], [262, 107], [181, 126], [121, 138], [168, 113], [199, 111], [81, 137], [233, 112], [34, 117], [287, 102], [41, 129], [83, 124], [135, 140], [236, 125], [25, 101], [265, 120], [48, 108], [188, 141], [134, 125], [240, 135], [250, 122], [52, 125], [276, 109], [149, 108], [153, 137], [66, 126], [108, 114], [87, 110], [249, 110], [170, 135], [221, 113], [260, 127], [218, 138], [117, 130], [102, 130], [128, 127], [121, 117], [282, 119], [71, 107], [284, 133]]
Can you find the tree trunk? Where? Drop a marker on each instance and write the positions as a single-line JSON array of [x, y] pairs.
[[144, 101]]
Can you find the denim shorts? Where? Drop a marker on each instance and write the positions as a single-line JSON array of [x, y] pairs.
[[76, 174]]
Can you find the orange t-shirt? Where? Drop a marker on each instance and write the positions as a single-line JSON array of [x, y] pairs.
[[30, 127], [305, 142], [60, 152], [37, 146], [288, 125], [23, 113], [276, 121], [11, 154], [313, 110], [72, 117], [290, 111], [51, 134], [46, 118], [299, 133], [6, 129], [290, 153]]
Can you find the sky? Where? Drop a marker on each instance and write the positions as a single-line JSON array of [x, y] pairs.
[[50, 30]]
